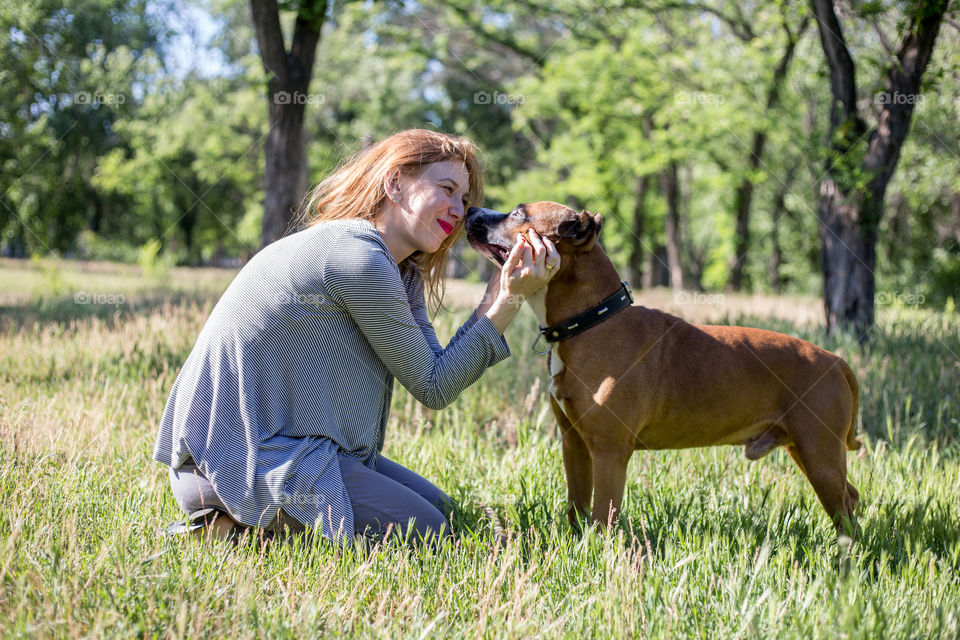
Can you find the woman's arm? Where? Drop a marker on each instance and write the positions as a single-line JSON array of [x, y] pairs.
[[361, 278]]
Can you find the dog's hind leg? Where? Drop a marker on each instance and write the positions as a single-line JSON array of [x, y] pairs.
[[853, 496], [578, 467], [825, 464], [792, 450]]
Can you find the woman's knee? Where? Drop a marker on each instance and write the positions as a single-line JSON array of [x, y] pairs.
[[432, 526], [381, 503], [416, 483]]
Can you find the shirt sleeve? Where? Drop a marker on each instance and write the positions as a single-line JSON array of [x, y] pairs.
[[413, 282], [362, 277]]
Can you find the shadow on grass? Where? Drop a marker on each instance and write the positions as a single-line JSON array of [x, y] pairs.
[[894, 538], [902, 530]]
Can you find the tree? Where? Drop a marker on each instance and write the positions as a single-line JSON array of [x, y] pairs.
[[189, 168], [285, 174], [743, 196], [68, 71], [861, 160]]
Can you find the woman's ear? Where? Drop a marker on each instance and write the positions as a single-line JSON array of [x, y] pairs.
[[391, 184]]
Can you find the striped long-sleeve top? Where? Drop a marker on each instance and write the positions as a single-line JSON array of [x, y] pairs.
[[295, 366]]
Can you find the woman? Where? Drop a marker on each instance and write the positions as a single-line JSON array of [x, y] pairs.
[[277, 417]]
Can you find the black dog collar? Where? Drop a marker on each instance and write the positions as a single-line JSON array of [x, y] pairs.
[[579, 323]]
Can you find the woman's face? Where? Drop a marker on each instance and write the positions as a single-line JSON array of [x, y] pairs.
[[432, 204]]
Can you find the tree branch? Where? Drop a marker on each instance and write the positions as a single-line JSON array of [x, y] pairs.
[[303, 50], [266, 23], [497, 36], [884, 40], [902, 86], [737, 23], [843, 83]]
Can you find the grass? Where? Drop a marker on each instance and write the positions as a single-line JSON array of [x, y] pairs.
[[710, 545]]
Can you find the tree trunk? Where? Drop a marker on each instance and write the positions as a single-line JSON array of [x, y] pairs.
[[776, 260], [657, 274], [670, 187], [850, 211], [779, 210], [635, 273], [743, 196], [635, 261], [285, 172], [692, 256]]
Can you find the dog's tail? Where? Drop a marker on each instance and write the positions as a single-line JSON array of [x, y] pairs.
[[852, 442]]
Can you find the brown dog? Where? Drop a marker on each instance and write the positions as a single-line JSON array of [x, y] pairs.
[[643, 379]]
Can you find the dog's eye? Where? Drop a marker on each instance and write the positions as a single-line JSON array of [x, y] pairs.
[[516, 213]]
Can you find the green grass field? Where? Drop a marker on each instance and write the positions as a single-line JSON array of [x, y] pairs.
[[710, 545]]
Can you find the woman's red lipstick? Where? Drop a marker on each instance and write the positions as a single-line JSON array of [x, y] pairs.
[[446, 226]]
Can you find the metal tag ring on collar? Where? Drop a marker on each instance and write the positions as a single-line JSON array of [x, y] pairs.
[[536, 341]]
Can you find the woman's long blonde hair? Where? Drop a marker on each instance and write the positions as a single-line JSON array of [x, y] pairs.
[[356, 190]]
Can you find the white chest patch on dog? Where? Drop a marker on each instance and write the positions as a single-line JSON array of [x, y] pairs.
[[556, 368], [538, 303]]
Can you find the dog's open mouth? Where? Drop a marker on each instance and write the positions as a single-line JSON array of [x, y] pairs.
[[495, 251]]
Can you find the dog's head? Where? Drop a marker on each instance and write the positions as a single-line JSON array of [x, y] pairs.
[[494, 233]]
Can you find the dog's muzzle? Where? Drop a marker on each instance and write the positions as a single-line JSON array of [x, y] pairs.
[[482, 225]]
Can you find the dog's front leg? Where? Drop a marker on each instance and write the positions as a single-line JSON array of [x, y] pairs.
[[609, 478], [578, 467]]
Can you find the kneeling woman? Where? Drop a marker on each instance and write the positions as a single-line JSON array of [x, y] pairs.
[[278, 415]]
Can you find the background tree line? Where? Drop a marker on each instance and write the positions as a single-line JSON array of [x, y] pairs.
[[729, 145]]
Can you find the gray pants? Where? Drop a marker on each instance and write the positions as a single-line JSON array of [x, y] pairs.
[[385, 497]]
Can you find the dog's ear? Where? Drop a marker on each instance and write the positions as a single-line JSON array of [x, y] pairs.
[[582, 230]]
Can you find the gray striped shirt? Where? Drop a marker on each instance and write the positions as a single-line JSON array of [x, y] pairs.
[[295, 366]]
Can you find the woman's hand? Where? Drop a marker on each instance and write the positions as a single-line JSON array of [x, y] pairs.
[[529, 267], [531, 264]]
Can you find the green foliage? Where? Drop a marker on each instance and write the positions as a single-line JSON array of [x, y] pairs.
[[152, 265], [69, 71], [52, 284], [99, 135], [91, 246]]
